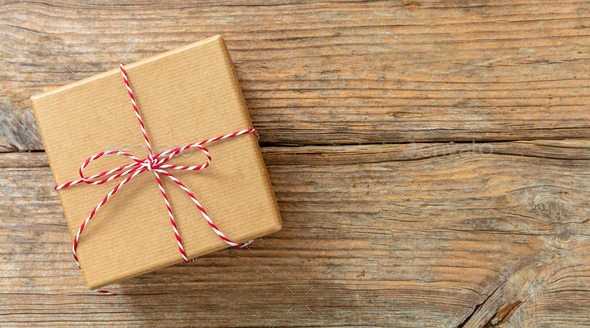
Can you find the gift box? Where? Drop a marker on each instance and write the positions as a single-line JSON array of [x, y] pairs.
[[184, 96]]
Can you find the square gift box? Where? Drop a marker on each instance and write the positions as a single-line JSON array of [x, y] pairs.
[[184, 96]]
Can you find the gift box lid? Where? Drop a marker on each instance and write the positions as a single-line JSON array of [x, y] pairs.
[[184, 96]]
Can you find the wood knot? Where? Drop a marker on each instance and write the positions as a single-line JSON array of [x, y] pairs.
[[553, 208]]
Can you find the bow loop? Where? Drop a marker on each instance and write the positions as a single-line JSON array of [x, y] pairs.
[[108, 175], [169, 154]]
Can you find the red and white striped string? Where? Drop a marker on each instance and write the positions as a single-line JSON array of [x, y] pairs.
[[156, 164]]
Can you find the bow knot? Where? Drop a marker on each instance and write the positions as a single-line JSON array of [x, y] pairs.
[[149, 163]]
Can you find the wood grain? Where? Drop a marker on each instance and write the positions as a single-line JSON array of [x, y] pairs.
[[329, 72], [430, 159], [374, 235]]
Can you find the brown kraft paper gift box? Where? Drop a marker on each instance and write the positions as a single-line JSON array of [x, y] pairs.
[[184, 96]]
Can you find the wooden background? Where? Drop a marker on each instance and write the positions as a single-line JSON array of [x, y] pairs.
[[430, 159]]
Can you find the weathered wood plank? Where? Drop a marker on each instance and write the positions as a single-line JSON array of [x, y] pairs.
[[331, 72], [373, 236]]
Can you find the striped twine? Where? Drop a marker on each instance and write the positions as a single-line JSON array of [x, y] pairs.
[[156, 164]]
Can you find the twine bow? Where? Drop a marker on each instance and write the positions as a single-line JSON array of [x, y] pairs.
[[155, 163]]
